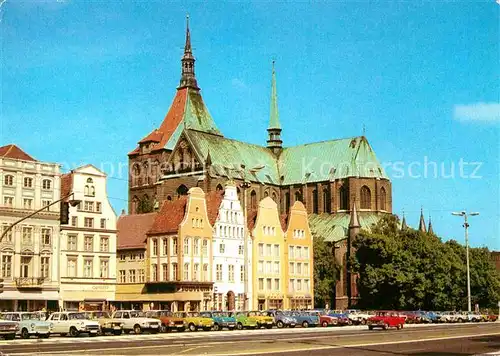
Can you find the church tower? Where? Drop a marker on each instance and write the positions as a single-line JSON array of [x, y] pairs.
[[188, 79], [274, 130]]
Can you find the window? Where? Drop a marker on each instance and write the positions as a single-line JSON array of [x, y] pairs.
[[8, 180], [88, 266], [103, 223], [298, 196], [327, 200], [291, 268], [122, 258], [306, 285], [276, 284], [8, 202], [46, 236], [186, 271], [306, 269], [231, 273], [154, 272], [104, 268], [121, 274], [27, 235], [74, 221], [261, 250], [140, 256], [298, 252], [240, 250], [242, 273], [222, 248], [8, 235], [299, 285], [268, 266], [204, 251], [46, 184], [206, 277], [104, 244], [88, 222], [6, 266], [164, 268], [46, 203], [261, 283], [306, 252], [291, 285], [287, 202], [269, 283], [174, 246], [88, 244], [196, 268], [268, 250], [299, 268], [155, 247], [253, 200], [98, 207], [165, 246], [260, 267], [366, 199], [175, 271], [131, 275], [276, 250], [25, 266], [383, 198], [89, 206], [28, 182], [72, 271], [276, 267], [72, 242], [315, 201], [218, 273], [27, 203], [142, 276], [196, 247], [343, 199], [186, 246]]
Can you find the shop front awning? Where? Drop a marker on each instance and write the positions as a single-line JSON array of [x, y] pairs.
[[29, 295]]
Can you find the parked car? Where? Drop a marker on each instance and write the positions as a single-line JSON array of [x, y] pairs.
[[73, 323], [449, 317], [221, 319], [385, 320], [30, 324], [357, 317], [244, 320], [325, 319], [472, 317], [106, 323], [304, 319], [194, 321], [492, 317], [262, 319], [167, 319], [136, 321], [342, 317], [8, 329], [281, 319]]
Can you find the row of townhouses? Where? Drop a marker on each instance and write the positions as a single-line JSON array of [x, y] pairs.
[[197, 252]]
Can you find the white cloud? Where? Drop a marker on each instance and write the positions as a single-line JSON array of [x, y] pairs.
[[483, 112], [238, 83]]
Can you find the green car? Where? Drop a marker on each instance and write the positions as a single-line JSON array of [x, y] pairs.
[[245, 320], [195, 321]]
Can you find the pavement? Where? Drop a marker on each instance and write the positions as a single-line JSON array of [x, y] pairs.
[[416, 340]]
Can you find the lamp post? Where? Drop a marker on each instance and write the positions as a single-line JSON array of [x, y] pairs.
[[466, 226]]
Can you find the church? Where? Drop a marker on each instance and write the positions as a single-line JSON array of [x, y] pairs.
[[340, 181]]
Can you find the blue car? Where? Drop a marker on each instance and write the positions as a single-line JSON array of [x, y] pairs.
[[221, 319], [304, 319], [343, 318], [282, 319]]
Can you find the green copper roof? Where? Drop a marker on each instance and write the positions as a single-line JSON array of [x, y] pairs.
[[335, 227], [329, 160], [274, 119]]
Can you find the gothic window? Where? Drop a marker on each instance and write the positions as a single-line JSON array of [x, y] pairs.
[[182, 190], [135, 205], [383, 199], [326, 200], [136, 173], [298, 196], [253, 200], [187, 158], [146, 173], [366, 199], [266, 194], [287, 202], [315, 201], [219, 188], [274, 197], [343, 201]]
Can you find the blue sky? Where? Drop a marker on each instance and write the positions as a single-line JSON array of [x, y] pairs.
[[82, 82]]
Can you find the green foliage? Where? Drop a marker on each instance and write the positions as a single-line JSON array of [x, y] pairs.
[[326, 272], [144, 206], [411, 270]]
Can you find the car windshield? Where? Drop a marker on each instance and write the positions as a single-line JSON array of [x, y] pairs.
[[100, 315], [137, 314], [180, 314], [73, 316], [221, 314], [194, 314], [30, 316], [255, 313]]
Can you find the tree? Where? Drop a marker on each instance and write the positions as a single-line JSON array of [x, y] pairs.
[[326, 272], [144, 206]]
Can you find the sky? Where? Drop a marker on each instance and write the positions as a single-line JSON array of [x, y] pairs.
[[82, 82]]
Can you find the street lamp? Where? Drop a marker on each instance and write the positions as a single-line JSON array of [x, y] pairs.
[[466, 226]]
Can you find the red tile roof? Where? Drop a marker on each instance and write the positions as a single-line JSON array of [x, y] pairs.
[[14, 152], [169, 217], [66, 184], [154, 136], [132, 230]]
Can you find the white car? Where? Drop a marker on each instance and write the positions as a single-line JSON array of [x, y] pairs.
[[357, 316], [30, 324], [73, 323], [136, 321]]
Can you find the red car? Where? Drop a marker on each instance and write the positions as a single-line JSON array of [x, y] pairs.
[[386, 320], [324, 319]]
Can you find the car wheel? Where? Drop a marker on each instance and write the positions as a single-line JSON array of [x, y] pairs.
[[305, 324], [386, 326], [25, 333], [363, 321], [335, 322], [279, 324], [192, 327], [163, 328], [73, 332], [239, 326], [324, 324], [217, 327], [398, 326], [137, 329]]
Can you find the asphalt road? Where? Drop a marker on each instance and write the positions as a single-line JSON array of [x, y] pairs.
[[435, 340]]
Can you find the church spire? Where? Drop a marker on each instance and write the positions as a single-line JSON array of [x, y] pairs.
[[421, 225], [404, 226], [354, 218], [430, 230], [274, 130], [188, 78]]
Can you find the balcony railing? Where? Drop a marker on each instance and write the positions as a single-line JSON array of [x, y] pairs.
[[29, 282]]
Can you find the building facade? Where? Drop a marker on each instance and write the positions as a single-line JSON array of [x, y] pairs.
[[88, 243], [29, 251], [231, 288]]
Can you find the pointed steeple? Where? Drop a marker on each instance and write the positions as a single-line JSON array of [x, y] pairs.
[[421, 225], [188, 78], [404, 225], [430, 230], [354, 218], [274, 130]]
